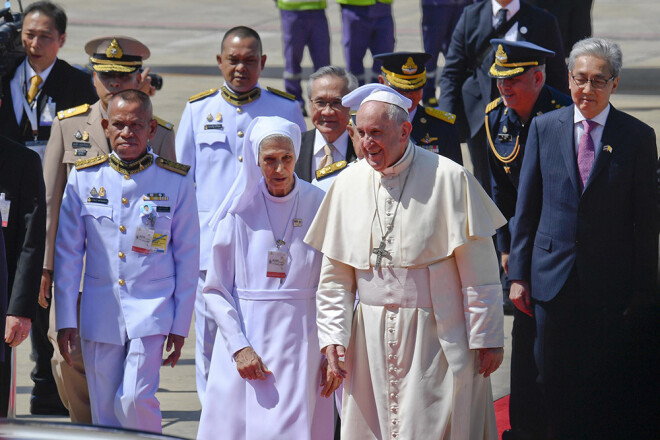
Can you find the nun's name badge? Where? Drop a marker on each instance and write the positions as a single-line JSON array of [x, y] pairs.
[[276, 264]]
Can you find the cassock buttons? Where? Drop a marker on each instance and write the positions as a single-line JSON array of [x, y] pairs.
[[126, 177], [121, 282], [122, 255], [239, 110], [240, 134], [124, 200], [122, 228], [240, 158]]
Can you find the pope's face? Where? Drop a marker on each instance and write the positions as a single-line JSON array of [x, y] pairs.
[[41, 40], [587, 99], [277, 160], [328, 115], [129, 128], [383, 141], [241, 63], [110, 83]]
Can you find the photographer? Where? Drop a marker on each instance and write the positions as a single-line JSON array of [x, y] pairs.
[[37, 87]]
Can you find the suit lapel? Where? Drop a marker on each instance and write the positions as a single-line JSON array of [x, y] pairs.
[[350, 151], [566, 143], [485, 23], [304, 162], [95, 128], [609, 138]]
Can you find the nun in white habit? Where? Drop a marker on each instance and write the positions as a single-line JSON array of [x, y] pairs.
[[267, 376]]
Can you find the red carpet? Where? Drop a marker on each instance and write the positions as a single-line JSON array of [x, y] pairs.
[[502, 415]]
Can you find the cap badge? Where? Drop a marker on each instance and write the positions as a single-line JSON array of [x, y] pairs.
[[410, 67], [114, 50], [500, 55]]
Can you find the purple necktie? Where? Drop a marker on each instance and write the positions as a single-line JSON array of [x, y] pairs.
[[586, 151]]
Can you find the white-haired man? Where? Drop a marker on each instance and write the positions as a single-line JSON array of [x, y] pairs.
[[410, 230]]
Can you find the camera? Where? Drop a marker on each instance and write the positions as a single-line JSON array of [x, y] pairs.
[[156, 80], [11, 49]]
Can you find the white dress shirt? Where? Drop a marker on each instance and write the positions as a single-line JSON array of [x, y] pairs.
[[20, 84], [511, 9], [339, 153], [596, 133]]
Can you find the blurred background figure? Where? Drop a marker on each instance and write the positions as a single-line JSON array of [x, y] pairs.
[[573, 16]]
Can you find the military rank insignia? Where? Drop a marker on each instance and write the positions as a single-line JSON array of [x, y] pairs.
[[97, 196]]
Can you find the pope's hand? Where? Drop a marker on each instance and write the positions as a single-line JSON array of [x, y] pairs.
[[520, 296], [17, 329], [335, 355], [44, 289], [66, 338], [249, 364], [329, 382], [490, 359], [175, 341]]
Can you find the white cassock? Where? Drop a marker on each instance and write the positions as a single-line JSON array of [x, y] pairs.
[[277, 320], [411, 359]]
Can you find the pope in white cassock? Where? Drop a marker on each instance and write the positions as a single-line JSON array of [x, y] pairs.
[[411, 230], [267, 378]]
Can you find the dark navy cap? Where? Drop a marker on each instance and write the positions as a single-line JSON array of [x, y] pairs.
[[513, 58], [404, 71]]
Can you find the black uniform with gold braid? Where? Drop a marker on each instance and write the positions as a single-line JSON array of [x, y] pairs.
[[433, 129]]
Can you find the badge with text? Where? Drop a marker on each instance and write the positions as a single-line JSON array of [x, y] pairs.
[[143, 240], [4, 209], [159, 242], [276, 267]]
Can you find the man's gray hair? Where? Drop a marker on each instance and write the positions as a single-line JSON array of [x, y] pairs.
[[396, 114], [350, 81], [601, 48]]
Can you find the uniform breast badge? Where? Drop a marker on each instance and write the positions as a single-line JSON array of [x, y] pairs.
[[97, 196]]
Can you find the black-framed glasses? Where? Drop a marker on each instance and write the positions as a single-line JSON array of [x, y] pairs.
[[596, 83], [335, 104]]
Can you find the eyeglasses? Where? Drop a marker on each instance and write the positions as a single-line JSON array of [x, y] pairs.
[[596, 83], [334, 105]]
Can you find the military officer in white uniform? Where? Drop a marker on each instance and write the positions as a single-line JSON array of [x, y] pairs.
[[135, 214], [77, 134], [210, 140]]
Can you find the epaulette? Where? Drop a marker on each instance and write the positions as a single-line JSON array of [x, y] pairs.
[[281, 93], [202, 95], [170, 165], [439, 114], [164, 123], [490, 107], [92, 161], [73, 111], [330, 169]]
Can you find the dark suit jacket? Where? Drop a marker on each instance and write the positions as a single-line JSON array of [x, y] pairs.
[[67, 86], [305, 163], [25, 235], [3, 288], [608, 233], [464, 83]]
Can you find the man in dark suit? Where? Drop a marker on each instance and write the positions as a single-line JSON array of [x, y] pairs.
[[22, 196], [584, 252], [326, 149], [432, 129], [573, 16], [519, 68], [40, 85], [466, 89]]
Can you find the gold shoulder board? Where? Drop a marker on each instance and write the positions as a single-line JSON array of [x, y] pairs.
[[170, 165], [330, 169], [92, 161], [281, 93], [164, 123], [439, 114], [63, 114], [202, 95], [491, 106]]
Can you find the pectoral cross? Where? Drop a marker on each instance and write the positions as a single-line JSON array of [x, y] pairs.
[[381, 252]]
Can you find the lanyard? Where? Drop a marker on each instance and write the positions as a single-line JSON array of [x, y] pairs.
[[289, 224]]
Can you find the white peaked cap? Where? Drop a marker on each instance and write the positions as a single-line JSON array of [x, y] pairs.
[[375, 92]]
